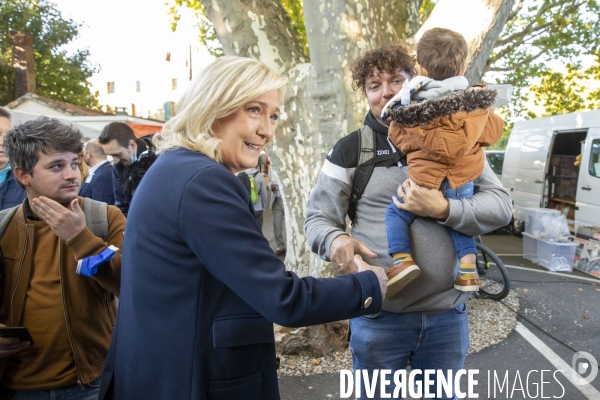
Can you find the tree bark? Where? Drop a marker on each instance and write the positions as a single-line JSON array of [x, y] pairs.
[[337, 32], [406, 15], [320, 106], [260, 29], [479, 21]]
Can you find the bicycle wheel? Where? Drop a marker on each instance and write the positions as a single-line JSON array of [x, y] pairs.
[[495, 282]]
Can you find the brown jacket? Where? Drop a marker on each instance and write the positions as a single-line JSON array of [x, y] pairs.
[[443, 138], [82, 297]]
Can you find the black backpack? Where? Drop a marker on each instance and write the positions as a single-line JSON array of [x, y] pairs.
[[366, 161]]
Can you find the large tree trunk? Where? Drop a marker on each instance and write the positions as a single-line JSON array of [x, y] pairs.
[[320, 106]]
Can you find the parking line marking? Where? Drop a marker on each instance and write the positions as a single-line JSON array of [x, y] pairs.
[[562, 274], [588, 390]]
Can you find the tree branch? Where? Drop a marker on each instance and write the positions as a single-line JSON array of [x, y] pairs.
[[510, 48], [261, 29], [480, 32], [519, 38], [530, 29], [525, 61], [516, 10]]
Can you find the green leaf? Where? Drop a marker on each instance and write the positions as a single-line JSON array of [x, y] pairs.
[[539, 52], [58, 76]]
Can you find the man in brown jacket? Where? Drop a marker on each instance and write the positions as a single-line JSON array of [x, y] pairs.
[[70, 316]]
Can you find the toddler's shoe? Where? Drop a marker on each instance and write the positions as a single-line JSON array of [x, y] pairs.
[[400, 275], [467, 279]]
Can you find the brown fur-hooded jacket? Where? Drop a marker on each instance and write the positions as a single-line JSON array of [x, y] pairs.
[[443, 138]]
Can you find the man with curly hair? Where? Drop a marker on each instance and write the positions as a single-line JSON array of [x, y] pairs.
[[425, 323]]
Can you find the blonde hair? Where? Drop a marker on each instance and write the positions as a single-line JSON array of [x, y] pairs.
[[222, 88]]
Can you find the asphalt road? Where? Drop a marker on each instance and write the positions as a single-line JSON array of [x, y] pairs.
[[525, 365]]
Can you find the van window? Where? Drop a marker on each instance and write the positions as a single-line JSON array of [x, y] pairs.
[[595, 159], [496, 160]]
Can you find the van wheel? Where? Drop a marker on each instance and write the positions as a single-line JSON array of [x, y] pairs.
[[517, 227]]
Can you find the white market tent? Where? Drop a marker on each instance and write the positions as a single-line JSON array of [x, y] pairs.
[[89, 126], [89, 122]]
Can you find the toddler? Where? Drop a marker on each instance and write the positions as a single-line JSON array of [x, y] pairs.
[[441, 125]]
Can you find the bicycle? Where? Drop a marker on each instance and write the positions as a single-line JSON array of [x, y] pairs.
[[495, 282]]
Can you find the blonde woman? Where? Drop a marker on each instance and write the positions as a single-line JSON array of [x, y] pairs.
[[200, 286]]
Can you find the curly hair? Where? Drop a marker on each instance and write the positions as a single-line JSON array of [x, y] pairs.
[[387, 58]]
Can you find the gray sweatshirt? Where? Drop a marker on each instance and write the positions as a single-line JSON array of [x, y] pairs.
[[433, 250]]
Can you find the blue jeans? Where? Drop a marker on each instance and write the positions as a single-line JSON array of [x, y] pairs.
[[429, 341], [72, 392], [397, 223]]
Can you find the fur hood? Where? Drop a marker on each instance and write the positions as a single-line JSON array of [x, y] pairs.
[[426, 112]]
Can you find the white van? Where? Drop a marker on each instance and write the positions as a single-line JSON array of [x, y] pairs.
[[539, 168]]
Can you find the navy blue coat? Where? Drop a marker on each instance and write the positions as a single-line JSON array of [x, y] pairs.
[[119, 173], [11, 194], [200, 289], [126, 179], [101, 186]]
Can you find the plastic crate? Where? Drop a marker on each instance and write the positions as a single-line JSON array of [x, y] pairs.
[[534, 224], [557, 257], [530, 248]]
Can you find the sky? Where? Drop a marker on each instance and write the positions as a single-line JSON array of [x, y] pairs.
[[127, 37], [118, 31]]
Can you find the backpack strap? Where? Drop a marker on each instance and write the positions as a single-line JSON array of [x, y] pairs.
[[96, 217], [367, 144], [6, 217], [366, 152]]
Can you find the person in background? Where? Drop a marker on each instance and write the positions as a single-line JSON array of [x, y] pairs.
[[263, 163], [98, 184], [46, 284], [278, 214], [11, 194], [201, 287], [261, 190], [132, 157]]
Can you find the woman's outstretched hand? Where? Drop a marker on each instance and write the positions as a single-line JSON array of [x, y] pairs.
[[381, 276]]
